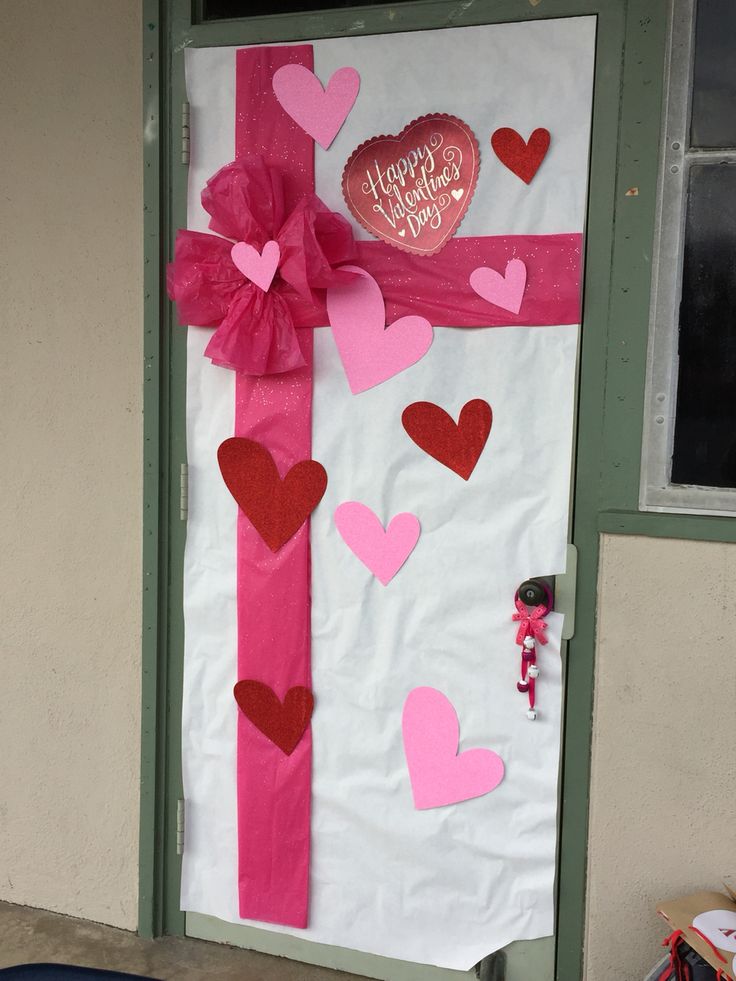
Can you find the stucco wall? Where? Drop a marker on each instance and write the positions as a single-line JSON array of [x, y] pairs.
[[70, 446], [664, 767]]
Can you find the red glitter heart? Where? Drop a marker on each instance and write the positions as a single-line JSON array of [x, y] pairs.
[[522, 158], [456, 445], [276, 508], [284, 723]]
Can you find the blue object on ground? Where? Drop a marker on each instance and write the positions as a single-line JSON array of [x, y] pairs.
[[64, 972]]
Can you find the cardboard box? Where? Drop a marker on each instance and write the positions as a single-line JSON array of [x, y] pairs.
[[708, 924]]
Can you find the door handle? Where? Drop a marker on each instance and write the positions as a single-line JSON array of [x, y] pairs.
[[561, 588], [535, 592]]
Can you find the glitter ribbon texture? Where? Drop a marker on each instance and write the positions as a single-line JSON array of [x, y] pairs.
[[273, 589]]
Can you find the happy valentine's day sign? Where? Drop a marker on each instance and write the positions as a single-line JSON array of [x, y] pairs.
[[412, 190]]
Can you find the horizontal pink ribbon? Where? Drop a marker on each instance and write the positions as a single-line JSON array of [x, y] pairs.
[[437, 287], [255, 330]]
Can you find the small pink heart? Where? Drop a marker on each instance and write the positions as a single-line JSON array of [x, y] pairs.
[[258, 267], [439, 774], [384, 552], [370, 352], [505, 291], [319, 112]]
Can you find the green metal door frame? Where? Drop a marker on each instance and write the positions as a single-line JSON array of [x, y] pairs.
[[624, 154]]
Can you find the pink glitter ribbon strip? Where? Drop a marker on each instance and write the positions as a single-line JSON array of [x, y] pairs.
[[274, 635], [273, 590], [437, 287]]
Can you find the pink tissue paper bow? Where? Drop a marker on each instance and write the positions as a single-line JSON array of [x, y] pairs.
[[256, 330], [531, 624]]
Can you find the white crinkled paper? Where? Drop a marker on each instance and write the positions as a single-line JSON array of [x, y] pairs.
[[444, 886]]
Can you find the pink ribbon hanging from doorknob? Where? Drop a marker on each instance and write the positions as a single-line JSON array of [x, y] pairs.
[[530, 624]]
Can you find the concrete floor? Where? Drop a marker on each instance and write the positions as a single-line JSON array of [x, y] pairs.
[[36, 936]]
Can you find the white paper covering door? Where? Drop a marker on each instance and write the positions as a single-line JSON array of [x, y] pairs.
[[447, 885]]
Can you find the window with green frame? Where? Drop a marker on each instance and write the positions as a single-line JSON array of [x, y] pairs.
[[689, 450]]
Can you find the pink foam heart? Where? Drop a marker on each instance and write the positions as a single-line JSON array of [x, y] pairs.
[[370, 352], [439, 774], [319, 112], [258, 267], [384, 552], [505, 291]]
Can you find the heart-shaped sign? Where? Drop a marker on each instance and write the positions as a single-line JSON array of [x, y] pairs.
[[456, 445], [276, 508], [284, 723], [412, 190], [439, 774]]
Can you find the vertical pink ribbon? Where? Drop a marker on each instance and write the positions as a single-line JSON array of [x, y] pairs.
[[274, 637], [273, 590]]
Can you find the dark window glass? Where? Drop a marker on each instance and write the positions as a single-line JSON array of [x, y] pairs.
[[705, 421], [713, 121], [227, 9]]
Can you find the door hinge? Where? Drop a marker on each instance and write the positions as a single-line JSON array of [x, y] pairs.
[[180, 827], [185, 132], [184, 492]]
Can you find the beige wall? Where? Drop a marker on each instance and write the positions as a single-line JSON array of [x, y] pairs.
[[664, 767], [70, 446]]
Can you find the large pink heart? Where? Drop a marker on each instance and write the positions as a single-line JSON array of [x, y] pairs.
[[371, 352], [412, 190], [439, 774], [384, 552], [320, 112]]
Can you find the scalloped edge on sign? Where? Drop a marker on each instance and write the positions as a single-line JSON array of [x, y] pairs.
[[396, 137]]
